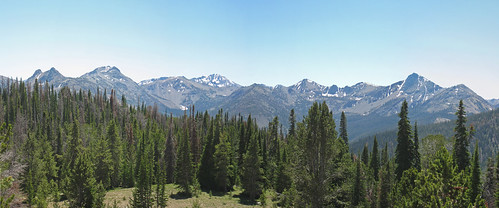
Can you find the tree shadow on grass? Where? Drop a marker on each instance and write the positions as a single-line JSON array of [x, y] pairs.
[[245, 200], [180, 195]]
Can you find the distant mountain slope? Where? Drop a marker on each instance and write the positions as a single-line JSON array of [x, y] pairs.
[[369, 108], [494, 102], [486, 125]]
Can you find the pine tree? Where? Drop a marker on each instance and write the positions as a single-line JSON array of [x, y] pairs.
[[417, 157], [343, 128], [292, 123], [83, 190], [115, 148], [184, 170], [222, 164], [374, 165], [103, 163], [384, 187], [384, 155], [475, 175], [252, 173], [365, 155], [206, 173], [283, 178], [461, 143], [489, 185], [170, 154], [142, 194], [161, 197], [358, 186], [316, 162], [404, 151]]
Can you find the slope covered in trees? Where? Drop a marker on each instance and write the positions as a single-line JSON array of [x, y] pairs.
[[486, 131], [74, 145]]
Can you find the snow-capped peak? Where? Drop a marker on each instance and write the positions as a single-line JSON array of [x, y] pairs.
[[214, 80]]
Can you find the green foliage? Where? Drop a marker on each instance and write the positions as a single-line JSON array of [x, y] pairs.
[[320, 156], [343, 128], [222, 164], [385, 186], [115, 147], [365, 155], [283, 178], [252, 173], [81, 143], [475, 176], [103, 168], [405, 146], [375, 164], [83, 190], [5, 182], [416, 155], [142, 194], [358, 192], [184, 174], [461, 142], [207, 168]]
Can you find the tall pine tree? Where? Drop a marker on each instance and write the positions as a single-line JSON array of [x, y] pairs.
[[417, 156], [343, 128], [184, 170], [461, 154], [358, 186], [374, 165], [475, 175], [405, 147], [142, 194], [365, 155], [252, 173]]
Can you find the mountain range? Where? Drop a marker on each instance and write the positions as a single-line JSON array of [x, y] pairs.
[[369, 108]]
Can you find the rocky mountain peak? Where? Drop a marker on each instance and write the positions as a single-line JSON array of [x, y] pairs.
[[215, 80]]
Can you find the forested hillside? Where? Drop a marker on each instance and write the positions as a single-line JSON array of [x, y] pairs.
[[73, 146], [486, 132]]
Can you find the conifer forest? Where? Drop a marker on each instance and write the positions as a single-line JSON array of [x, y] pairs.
[[69, 147]]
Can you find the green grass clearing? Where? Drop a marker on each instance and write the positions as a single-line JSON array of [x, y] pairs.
[[122, 197]]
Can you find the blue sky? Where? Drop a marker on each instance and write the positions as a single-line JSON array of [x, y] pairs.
[[269, 42]]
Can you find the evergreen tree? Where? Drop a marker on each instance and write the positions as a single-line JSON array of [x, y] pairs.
[[316, 162], [489, 185], [222, 164], [417, 157], [404, 151], [461, 143], [83, 190], [475, 175], [365, 155], [103, 162], [283, 178], [206, 173], [374, 165], [115, 148], [343, 128], [161, 197], [142, 194], [184, 170], [292, 124], [252, 173], [384, 155], [170, 154], [384, 187], [358, 186]]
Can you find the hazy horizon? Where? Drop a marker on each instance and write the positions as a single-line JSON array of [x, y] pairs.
[[267, 42]]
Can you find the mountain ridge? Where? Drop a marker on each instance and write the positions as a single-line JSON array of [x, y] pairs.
[[363, 102]]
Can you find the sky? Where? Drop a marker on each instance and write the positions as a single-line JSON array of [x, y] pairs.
[[258, 41]]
